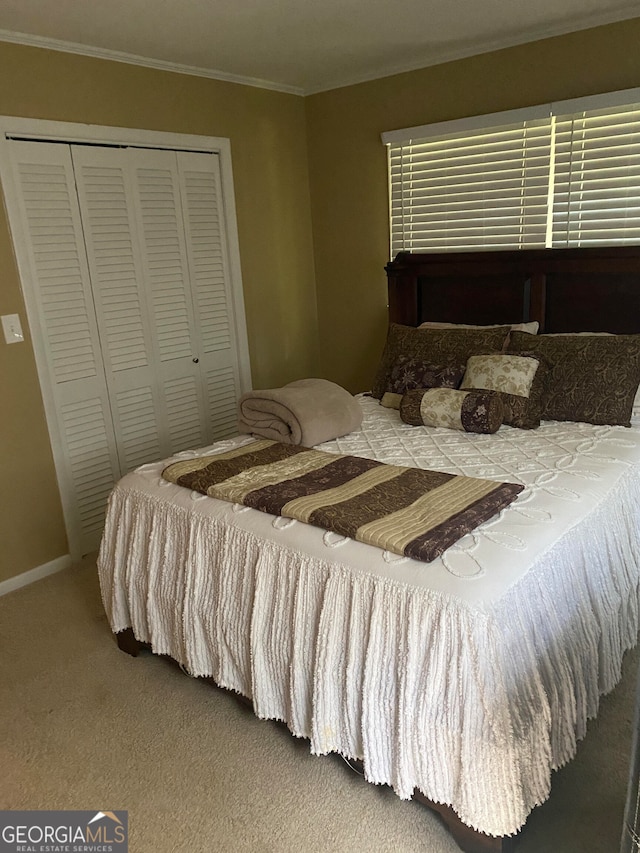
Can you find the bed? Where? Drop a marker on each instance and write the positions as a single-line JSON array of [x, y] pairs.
[[464, 681]]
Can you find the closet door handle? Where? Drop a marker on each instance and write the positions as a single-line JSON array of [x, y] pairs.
[[195, 360]]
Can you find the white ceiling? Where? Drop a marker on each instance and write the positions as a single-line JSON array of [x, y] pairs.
[[300, 46]]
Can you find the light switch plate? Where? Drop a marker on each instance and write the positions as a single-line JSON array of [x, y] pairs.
[[12, 328]]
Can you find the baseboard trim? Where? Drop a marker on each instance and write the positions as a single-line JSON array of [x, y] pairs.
[[36, 574]]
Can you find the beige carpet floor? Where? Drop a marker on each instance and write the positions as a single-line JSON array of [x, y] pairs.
[[85, 726]]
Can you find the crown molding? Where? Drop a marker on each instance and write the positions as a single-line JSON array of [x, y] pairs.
[[132, 59], [488, 46]]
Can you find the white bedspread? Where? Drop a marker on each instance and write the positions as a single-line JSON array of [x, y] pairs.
[[471, 677]]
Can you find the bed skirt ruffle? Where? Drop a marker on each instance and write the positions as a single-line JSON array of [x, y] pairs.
[[473, 707]]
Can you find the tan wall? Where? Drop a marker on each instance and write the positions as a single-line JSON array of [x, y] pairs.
[[348, 174], [268, 146]]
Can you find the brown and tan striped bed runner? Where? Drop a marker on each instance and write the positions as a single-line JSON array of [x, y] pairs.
[[404, 510]]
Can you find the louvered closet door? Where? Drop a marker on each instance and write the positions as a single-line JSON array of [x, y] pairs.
[[155, 249], [179, 207], [64, 328], [130, 287], [208, 263], [106, 196]]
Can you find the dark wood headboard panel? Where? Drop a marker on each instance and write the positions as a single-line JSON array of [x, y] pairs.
[[565, 290]]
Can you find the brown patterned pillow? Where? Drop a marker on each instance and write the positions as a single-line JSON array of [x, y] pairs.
[[518, 378], [409, 372], [445, 347], [471, 411], [592, 378]]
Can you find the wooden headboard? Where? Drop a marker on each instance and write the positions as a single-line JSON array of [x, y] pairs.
[[565, 290]]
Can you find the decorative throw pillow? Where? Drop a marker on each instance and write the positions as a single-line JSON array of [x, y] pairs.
[[518, 378], [471, 411], [445, 347], [592, 378], [409, 372]]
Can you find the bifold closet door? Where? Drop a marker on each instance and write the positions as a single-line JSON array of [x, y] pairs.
[[131, 289], [65, 336], [219, 347], [155, 251]]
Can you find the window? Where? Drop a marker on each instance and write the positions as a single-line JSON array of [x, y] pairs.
[[565, 174]]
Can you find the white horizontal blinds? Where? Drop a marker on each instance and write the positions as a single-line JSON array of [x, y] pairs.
[[64, 328], [486, 189], [206, 246], [565, 174], [597, 178]]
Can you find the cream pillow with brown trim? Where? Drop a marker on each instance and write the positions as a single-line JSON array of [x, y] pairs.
[[511, 374], [519, 380], [471, 411]]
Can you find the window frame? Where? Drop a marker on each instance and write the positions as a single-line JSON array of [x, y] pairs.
[[439, 133]]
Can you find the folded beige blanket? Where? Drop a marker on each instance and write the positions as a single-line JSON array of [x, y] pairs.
[[307, 411]]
